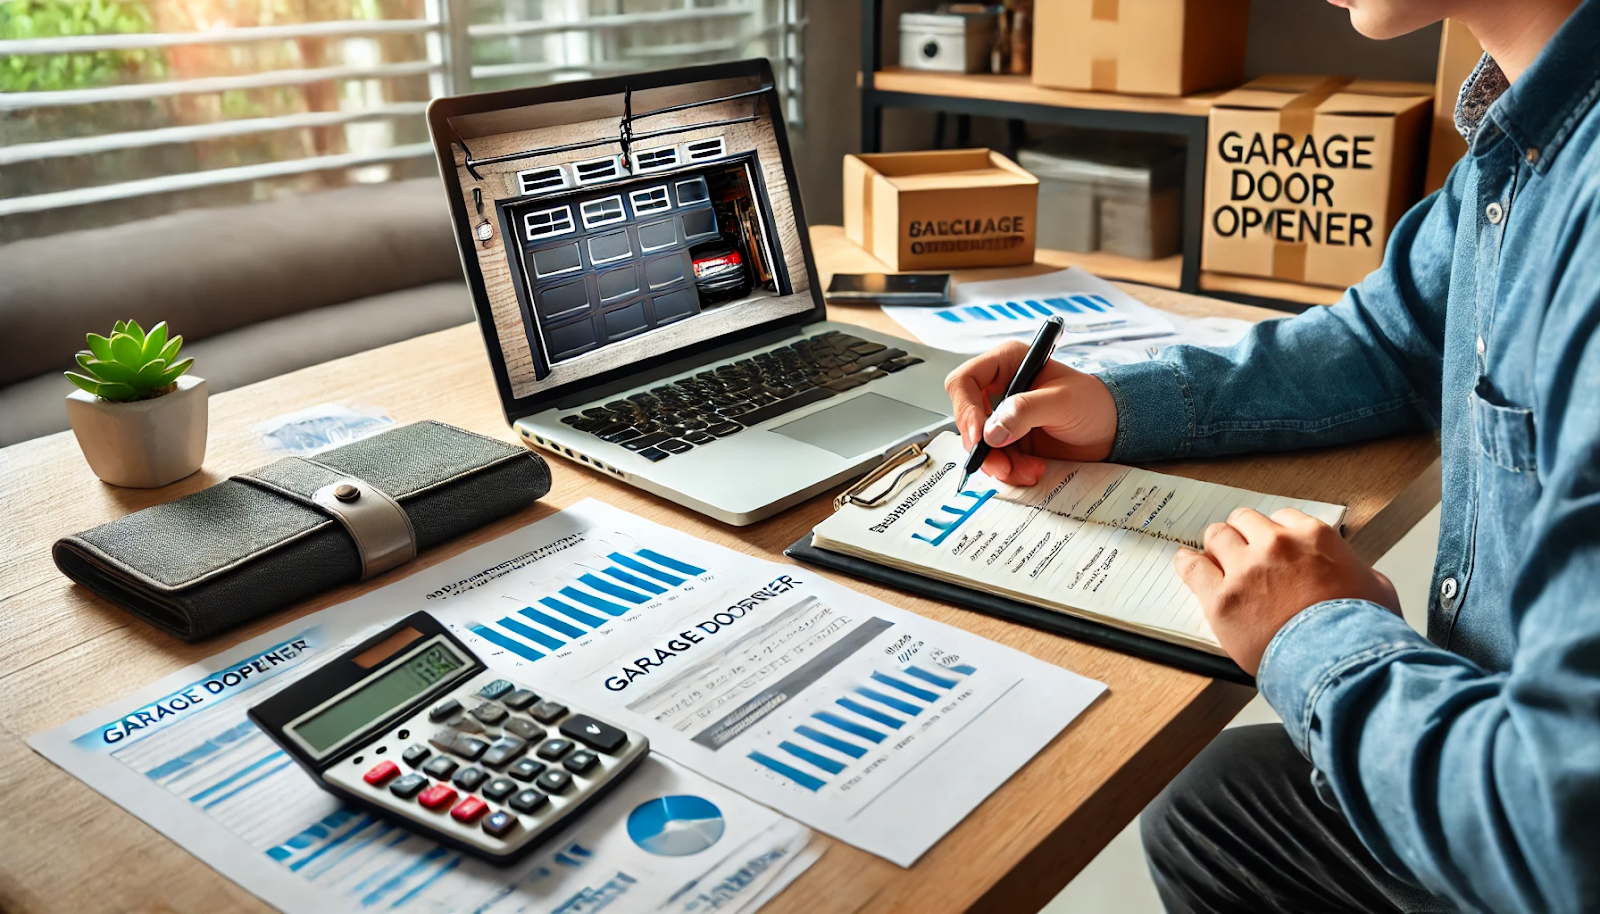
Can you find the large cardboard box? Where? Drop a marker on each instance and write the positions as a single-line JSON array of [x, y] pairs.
[[1306, 175], [940, 210], [1140, 47], [1459, 52]]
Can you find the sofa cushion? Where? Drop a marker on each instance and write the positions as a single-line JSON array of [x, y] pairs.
[[35, 406], [208, 271]]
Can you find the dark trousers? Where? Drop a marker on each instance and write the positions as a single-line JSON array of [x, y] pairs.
[[1242, 829]]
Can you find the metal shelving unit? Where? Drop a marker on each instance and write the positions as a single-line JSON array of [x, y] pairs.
[[1016, 98]]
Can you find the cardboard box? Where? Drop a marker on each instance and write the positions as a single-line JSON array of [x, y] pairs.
[[1306, 175], [1459, 52], [940, 210], [1140, 47]]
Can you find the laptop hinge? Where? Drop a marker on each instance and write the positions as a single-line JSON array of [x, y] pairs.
[[679, 366]]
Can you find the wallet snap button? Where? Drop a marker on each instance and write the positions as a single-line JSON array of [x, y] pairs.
[[347, 492]]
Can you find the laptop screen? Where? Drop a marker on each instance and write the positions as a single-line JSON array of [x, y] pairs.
[[622, 222]]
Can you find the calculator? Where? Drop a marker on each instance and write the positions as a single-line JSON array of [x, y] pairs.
[[411, 725]]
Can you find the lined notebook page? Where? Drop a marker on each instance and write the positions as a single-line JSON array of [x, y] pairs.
[[1092, 539]]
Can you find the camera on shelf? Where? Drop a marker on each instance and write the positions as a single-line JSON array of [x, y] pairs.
[[956, 38]]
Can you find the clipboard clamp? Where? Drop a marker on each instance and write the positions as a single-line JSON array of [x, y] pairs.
[[902, 465]]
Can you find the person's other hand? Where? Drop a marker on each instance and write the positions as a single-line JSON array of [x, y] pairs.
[[1257, 573], [1068, 415]]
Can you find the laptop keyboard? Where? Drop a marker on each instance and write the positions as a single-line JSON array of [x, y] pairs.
[[700, 409]]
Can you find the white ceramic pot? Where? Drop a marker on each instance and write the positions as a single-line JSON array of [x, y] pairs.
[[145, 443]]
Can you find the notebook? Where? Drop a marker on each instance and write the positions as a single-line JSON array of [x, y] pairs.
[[1091, 540]]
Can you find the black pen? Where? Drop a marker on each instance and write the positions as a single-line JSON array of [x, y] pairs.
[[1039, 351]]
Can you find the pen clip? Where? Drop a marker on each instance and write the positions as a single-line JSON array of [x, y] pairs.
[[907, 461]]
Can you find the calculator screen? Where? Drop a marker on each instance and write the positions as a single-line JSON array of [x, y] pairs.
[[377, 697]]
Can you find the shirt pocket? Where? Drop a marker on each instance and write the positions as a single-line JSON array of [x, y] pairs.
[[1505, 433]]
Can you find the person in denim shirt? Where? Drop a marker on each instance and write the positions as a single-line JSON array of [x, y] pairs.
[[1459, 771]]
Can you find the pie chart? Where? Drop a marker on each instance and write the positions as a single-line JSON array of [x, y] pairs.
[[676, 826]]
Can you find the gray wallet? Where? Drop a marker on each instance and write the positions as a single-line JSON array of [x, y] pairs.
[[279, 534]]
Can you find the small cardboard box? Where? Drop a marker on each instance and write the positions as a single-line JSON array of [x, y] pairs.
[[1307, 174], [1459, 52], [1140, 47], [940, 210]]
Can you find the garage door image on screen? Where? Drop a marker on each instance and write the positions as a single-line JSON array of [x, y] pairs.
[[607, 263]]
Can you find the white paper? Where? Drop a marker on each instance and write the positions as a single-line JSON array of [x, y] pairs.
[[987, 313], [722, 659], [182, 755], [1096, 538]]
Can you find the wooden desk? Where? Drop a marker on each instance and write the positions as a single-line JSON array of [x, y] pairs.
[[67, 652]]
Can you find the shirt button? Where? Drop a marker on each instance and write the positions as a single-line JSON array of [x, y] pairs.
[[1533, 155], [1495, 212], [1447, 588], [1480, 345]]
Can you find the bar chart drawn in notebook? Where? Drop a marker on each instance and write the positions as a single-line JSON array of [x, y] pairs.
[[615, 583]]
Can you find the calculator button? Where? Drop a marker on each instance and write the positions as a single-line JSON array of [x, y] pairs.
[[499, 824], [581, 762], [554, 749], [408, 786], [594, 734], [526, 770], [495, 689], [469, 810], [467, 725], [525, 728], [554, 781], [547, 712], [379, 774], [490, 713], [499, 788], [444, 709], [469, 778], [519, 699], [528, 801], [438, 796], [441, 768], [504, 750], [470, 747], [416, 755]]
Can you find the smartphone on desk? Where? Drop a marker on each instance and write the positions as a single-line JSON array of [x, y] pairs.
[[930, 290]]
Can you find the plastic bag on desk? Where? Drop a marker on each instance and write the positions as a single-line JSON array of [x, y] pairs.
[[318, 428]]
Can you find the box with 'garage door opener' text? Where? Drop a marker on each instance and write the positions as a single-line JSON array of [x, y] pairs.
[[1306, 175]]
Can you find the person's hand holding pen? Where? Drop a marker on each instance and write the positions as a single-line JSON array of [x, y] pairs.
[[1067, 415]]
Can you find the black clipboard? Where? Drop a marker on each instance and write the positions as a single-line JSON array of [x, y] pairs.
[[1184, 658]]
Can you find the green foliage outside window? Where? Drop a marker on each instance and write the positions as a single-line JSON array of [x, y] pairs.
[[23, 19]]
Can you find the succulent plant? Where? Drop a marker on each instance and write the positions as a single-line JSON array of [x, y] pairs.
[[130, 364]]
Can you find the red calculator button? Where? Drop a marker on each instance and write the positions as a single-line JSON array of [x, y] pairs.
[[436, 797], [469, 810], [379, 774]]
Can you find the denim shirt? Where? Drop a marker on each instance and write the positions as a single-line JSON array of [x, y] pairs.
[[1467, 762]]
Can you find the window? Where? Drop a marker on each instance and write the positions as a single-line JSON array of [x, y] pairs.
[[161, 106], [594, 171], [547, 223], [646, 160], [650, 200], [540, 180], [604, 211], [700, 150]]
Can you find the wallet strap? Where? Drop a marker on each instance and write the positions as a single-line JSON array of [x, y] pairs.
[[382, 532]]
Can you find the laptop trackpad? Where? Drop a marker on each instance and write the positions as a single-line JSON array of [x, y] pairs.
[[855, 427]]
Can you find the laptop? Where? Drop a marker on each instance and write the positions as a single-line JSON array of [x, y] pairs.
[[642, 273]]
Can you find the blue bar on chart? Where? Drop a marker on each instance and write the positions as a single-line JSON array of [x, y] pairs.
[[1027, 309], [851, 728], [958, 516], [630, 582]]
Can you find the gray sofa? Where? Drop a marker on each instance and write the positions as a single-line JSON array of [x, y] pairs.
[[256, 290]]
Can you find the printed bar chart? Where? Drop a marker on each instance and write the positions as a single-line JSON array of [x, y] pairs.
[[838, 734], [595, 596], [1027, 309]]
